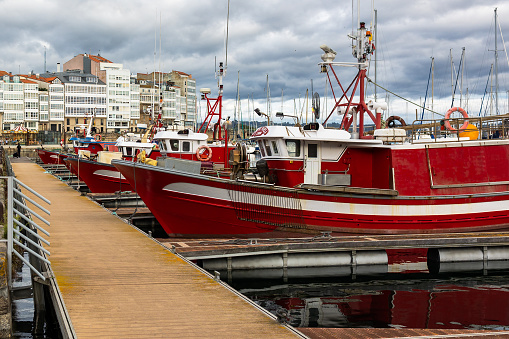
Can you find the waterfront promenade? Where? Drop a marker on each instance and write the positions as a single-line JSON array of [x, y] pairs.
[[118, 283]]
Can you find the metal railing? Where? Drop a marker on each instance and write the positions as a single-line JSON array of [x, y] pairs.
[[19, 217], [478, 128]]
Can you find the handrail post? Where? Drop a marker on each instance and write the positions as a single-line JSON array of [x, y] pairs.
[[10, 232]]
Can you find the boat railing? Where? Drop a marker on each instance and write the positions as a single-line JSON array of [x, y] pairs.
[[461, 129]]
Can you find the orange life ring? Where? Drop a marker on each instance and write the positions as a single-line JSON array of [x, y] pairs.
[[448, 115], [202, 155], [97, 137]]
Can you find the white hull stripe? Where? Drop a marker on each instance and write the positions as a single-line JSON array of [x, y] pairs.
[[109, 174], [345, 208]]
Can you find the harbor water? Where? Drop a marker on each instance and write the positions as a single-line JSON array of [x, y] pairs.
[[23, 312], [408, 296]]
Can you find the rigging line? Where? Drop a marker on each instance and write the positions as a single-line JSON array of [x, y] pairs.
[[486, 49], [399, 96], [503, 42], [427, 87], [485, 91], [456, 82]]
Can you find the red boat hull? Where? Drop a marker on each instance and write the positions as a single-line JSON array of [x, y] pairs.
[[99, 177], [51, 157], [197, 205]]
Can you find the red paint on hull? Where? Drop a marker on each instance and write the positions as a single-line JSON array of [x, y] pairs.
[[51, 157], [199, 205], [99, 177]]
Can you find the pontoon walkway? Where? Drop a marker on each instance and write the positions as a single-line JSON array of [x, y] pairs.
[[118, 283]]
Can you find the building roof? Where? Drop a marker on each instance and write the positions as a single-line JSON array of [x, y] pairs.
[[182, 73], [64, 77], [97, 58]]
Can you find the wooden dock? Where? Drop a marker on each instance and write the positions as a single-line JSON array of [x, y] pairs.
[[116, 282]]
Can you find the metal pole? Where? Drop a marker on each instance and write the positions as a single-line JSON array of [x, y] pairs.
[[496, 65], [10, 233], [376, 37], [432, 92], [452, 75], [461, 83]]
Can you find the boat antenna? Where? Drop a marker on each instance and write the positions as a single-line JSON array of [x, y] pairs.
[[227, 24], [496, 64]]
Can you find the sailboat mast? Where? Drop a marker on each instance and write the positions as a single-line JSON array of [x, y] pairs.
[[375, 51], [461, 81], [496, 65], [452, 75], [237, 109], [432, 86]]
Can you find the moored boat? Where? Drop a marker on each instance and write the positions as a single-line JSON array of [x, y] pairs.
[[99, 176], [313, 179], [51, 156]]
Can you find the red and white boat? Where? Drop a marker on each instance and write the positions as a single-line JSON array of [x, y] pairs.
[[51, 156], [314, 179], [100, 175]]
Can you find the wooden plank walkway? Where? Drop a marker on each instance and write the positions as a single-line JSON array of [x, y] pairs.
[[118, 283]]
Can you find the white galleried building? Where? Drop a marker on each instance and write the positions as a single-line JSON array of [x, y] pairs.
[[90, 84]]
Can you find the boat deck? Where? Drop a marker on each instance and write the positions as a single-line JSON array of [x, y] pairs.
[[118, 283]]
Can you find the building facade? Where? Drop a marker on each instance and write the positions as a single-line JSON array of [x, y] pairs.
[[91, 85]]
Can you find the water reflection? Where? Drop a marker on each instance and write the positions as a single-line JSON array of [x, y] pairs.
[[406, 297], [454, 303]]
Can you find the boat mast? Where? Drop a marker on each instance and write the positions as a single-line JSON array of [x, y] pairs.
[[452, 75], [432, 87], [496, 65], [375, 52], [461, 81], [362, 48]]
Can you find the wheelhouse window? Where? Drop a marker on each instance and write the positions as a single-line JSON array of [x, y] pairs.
[[312, 151], [262, 147], [174, 145], [162, 146], [186, 146], [274, 147], [267, 148], [293, 147]]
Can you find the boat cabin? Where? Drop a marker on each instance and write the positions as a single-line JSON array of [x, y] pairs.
[[189, 145], [312, 155], [184, 142], [92, 145], [130, 149]]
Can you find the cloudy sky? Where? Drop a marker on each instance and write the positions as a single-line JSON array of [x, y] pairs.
[[278, 38]]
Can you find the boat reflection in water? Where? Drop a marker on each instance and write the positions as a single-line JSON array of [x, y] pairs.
[[451, 303], [408, 296]]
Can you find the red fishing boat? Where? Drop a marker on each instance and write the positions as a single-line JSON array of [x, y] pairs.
[[100, 175], [185, 146], [51, 156], [314, 179]]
